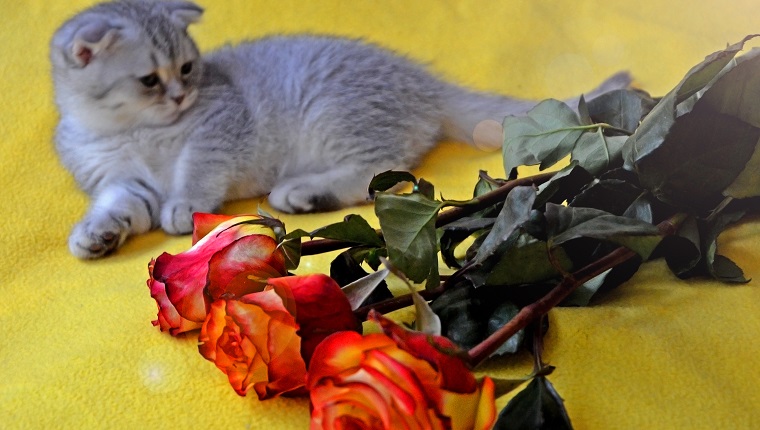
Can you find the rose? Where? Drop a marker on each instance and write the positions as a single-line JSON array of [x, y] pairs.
[[264, 340], [231, 256], [397, 379]]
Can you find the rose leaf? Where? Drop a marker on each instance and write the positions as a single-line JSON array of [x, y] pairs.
[[546, 135], [353, 229], [408, 225], [537, 407]]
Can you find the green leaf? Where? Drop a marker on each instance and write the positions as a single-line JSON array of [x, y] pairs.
[[546, 135], [353, 228], [622, 108], [570, 223], [596, 152], [408, 225], [291, 247], [537, 407]]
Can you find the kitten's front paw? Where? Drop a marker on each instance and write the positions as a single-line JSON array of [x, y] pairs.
[[302, 198], [94, 238], [177, 215]]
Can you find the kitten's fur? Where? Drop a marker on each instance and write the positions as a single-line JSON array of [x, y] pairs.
[[153, 132]]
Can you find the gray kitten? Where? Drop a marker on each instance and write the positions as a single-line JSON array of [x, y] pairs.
[[153, 131]]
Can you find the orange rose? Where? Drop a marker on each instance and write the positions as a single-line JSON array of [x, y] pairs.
[[264, 340], [235, 257], [399, 379]]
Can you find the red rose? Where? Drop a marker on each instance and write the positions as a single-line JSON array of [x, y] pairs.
[[234, 258], [264, 340], [398, 379]]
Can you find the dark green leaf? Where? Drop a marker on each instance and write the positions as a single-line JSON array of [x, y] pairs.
[[683, 251], [461, 313], [455, 233], [389, 179], [572, 223], [563, 185], [353, 228], [718, 266], [516, 211], [500, 316], [702, 155], [725, 270], [527, 261], [649, 136], [537, 407], [609, 195], [408, 225]]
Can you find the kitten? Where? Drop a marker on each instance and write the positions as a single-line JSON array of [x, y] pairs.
[[153, 131]]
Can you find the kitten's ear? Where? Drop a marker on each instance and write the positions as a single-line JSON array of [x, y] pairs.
[[91, 40], [183, 13]]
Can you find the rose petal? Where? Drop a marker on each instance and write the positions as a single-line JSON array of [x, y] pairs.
[[321, 308], [203, 223], [436, 350], [168, 318], [244, 267], [340, 351], [254, 341]]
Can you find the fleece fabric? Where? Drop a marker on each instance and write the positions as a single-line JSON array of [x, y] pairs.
[[78, 351]]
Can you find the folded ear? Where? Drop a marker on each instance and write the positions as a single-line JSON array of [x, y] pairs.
[[91, 40], [183, 13]]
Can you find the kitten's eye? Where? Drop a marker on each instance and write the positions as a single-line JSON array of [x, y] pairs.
[[186, 68], [150, 81]]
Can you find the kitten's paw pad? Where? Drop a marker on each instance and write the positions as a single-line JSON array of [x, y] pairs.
[[97, 238], [177, 215], [303, 199]]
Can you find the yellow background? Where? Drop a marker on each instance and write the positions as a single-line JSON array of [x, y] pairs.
[[77, 349]]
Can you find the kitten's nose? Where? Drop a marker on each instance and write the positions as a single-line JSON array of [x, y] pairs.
[[178, 99]]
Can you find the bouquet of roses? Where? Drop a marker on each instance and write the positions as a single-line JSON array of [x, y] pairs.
[[647, 179]]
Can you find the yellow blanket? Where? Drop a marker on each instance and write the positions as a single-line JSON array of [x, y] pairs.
[[77, 349]]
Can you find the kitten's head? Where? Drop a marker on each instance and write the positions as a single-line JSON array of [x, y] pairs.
[[127, 64]]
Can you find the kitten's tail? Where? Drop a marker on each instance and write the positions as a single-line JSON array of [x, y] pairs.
[[464, 110]]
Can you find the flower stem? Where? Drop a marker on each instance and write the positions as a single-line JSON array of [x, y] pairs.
[[542, 306], [320, 246]]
